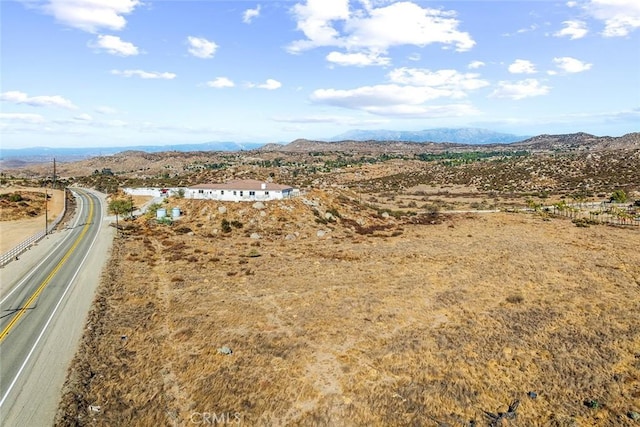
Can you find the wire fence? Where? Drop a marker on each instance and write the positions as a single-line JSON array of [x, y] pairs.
[[601, 213], [13, 253]]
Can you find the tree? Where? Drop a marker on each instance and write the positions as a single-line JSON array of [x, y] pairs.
[[533, 205], [152, 209], [618, 196], [120, 207]]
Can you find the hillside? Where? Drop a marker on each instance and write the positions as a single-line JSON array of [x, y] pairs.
[[408, 283], [580, 142], [577, 165], [541, 143], [322, 311]]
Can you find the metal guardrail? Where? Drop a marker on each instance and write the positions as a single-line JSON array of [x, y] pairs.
[[13, 253]]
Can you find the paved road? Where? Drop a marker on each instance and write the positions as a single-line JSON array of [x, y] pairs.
[[44, 299]]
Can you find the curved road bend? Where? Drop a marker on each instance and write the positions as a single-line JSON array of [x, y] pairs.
[[44, 300]]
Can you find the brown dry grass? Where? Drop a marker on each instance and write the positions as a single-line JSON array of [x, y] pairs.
[[442, 321], [20, 220]]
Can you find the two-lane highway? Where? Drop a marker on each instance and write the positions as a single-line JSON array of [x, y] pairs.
[[42, 314]]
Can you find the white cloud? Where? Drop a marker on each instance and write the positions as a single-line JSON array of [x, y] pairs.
[[405, 23], [371, 30], [475, 65], [360, 59], [18, 97], [371, 97], [91, 15], [114, 45], [520, 89], [103, 109], [115, 123], [220, 82], [530, 28], [620, 17], [21, 117], [455, 84], [522, 66], [270, 84], [201, 47], [341, 120], [407, 94], [425, 111], [573, 29], [571, 65], [315, 18], [84, 117], [249, 14], [144, 74]]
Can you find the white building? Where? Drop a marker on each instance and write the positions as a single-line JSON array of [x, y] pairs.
[[241, 190], [151, 191]]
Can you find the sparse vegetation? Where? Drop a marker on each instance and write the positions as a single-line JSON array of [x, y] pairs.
[[121, 207], [618, 196], [367, 301], [448, 318], [153, 209], [21, 204]]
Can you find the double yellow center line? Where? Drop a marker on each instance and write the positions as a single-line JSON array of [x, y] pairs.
[[46, 281]]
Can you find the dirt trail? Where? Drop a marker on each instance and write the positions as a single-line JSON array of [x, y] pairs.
[[14, 232]]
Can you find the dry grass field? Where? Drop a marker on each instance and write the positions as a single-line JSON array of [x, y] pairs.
[[22, 213], [337, 315]]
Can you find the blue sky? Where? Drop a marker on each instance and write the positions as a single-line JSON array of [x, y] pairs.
[[129, 72]]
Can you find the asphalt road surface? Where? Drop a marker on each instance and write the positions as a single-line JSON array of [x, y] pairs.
[[44, 300]]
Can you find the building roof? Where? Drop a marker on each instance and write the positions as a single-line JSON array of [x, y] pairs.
[[244, 184]]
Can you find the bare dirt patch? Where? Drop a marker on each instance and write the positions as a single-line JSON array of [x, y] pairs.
[[22, 213], [431, 320]]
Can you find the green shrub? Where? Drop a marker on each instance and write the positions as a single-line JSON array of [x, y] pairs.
[[152, 209], [618, 196], [15, 197], [334, 212], [253, 253]]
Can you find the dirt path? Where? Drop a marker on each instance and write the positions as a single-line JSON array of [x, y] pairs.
[[14, 232]]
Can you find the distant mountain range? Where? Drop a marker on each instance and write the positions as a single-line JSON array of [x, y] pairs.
[[577, 142], [45, 154], [430, 140], [454, 135]]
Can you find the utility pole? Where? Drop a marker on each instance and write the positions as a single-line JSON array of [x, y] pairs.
[[53, 185], [46, 216]]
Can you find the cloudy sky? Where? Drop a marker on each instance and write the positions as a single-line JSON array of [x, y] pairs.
[[131, 72]]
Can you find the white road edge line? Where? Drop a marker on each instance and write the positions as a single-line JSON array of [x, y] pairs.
[[55, 309], [28, 276]]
